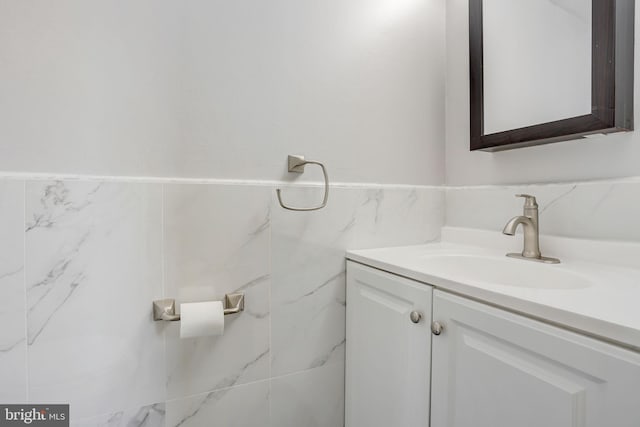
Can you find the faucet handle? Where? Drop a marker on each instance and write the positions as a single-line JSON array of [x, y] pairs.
[[530, 201]]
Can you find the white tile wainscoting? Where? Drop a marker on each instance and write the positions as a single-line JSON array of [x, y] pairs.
[[602, 210], [82, 259]]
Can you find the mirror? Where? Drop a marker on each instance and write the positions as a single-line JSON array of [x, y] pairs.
[[549, 70], [516, 35]]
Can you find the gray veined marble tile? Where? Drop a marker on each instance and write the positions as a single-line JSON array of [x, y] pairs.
[[313, 398], [398, 216], [13, 363], [485, 207], [491, 207], [607, 211], [241, 406], [146, 416], [308, 295], [592, 210], [93, 266], [217, 240]]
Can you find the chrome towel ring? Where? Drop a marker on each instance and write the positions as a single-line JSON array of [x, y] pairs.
[[296, 165]]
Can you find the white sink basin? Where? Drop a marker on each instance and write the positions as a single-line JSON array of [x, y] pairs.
[[503, 271], [596, 288]]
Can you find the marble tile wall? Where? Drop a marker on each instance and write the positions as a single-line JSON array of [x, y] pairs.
[[81, 261], [13, 342], [605, 210], [93, 262]]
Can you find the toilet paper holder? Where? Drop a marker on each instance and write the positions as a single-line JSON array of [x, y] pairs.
[[165, 309]]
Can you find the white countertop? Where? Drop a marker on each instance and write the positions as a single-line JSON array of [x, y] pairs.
[[608, 308]]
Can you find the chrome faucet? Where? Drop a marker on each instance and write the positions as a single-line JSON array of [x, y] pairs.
[[529, 221]]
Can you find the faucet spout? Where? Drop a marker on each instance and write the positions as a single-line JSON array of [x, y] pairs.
[[531, 239], [512, 225]]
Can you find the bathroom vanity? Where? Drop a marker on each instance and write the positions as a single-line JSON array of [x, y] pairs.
[[455, 334]]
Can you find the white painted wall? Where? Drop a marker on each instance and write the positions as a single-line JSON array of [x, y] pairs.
[[601, 157], [223, 89]]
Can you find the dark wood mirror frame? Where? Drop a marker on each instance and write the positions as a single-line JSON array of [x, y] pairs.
[[611, 84]]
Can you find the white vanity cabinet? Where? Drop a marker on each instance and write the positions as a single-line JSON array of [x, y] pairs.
[[492, 368], [487, 367], [388, 349]]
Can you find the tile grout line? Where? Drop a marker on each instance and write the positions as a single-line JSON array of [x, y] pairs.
[[24, 285], [270, 392]]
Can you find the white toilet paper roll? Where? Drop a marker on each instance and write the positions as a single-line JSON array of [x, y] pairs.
[[201, 319]]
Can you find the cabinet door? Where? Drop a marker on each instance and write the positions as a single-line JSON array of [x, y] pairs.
[[388, 355], [492, 368]]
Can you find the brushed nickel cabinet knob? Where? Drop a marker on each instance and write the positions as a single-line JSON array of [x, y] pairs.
[[415, 316], [437, 328]]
